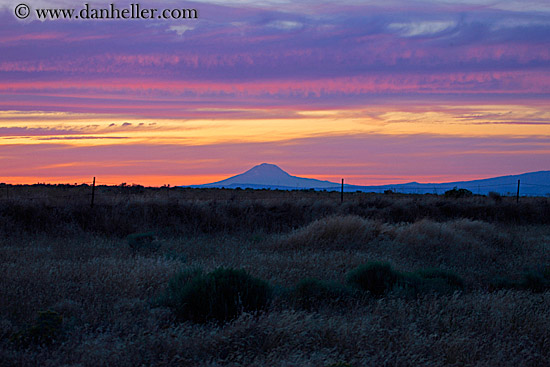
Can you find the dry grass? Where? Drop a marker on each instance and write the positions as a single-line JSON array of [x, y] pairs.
[[474, 248], [333, 233], [105, 290]]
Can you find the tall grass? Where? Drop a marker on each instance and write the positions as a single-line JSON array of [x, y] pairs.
[[192, 211], [78, 263]]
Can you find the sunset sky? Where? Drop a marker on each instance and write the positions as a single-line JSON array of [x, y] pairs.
[[373, 91]]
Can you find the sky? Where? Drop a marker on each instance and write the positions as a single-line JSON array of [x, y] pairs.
[[376, 92]]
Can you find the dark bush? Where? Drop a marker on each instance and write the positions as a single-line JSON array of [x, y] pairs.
[[46, 329], [311, 293], [142, 241], [495, 196], [171, 297], [458, 193], [219, 296], [374, 277], [536, 279], [431, 280], [450, 278], [500, 282]]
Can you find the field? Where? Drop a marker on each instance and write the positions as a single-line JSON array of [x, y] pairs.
[[84, 286]]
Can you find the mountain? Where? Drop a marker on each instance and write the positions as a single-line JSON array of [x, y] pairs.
[[270, 176]]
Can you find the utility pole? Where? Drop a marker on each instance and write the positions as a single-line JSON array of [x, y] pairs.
[[517, 195], [342, 192], [93, 193]]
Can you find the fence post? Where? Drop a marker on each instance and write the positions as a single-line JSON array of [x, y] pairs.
[[517, 195], [93, 193]]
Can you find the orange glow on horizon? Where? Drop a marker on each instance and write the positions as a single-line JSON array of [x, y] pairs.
[[143, 180]]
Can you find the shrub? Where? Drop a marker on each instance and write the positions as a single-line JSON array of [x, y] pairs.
[[458, 193], [495, 196], [311, 293], [142, 241], [374, 277], [430, 280], [450, 278], [500, 282], [536, 279], [219, 296], [44, 331], [173, 293]]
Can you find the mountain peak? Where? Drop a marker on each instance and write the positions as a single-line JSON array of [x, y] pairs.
[[266, 168], [270, 175], [263, 173]]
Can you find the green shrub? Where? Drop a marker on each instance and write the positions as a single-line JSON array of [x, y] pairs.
[[536, 279], [142, 241], [173, 293], [219, 296], [495, 196], [311, 293], [44, 331], [447, 276], [458, 193], [499, 283], [374, 277], [430, 280]]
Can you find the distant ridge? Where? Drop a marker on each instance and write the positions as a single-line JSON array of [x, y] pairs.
[[270, 176]]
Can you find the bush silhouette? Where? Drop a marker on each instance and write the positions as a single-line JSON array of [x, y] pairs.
[[311, 293], [536, 279], [142, 241], [172, 295], [447, 276], [44, 331], [495, 196], [500, 282], [458, 193], [219, 296], [374, 277], [430, 280]]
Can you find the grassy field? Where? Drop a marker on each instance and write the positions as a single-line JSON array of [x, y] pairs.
[[82, 286]]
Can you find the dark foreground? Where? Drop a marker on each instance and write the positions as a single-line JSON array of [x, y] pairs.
[[84, 286]]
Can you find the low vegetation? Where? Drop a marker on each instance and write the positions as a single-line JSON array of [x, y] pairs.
[[220, 296], [162, 277]]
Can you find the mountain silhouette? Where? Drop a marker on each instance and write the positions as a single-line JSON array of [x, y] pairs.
[[267, 175], [270, 176]]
